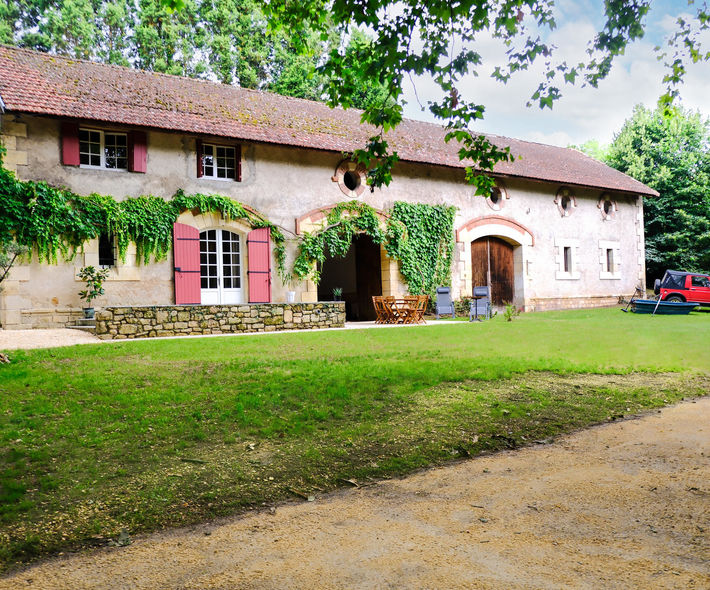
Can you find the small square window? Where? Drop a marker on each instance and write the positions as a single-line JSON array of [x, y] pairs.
[[219, 161], [98, 149]]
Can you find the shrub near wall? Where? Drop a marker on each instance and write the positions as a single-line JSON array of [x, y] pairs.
[[113, 323]]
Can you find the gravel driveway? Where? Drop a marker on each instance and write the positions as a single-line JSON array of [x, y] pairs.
[[623, 505], [14, 339]]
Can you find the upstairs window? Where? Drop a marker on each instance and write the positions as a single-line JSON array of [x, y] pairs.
[[103, 149], [219, 162]]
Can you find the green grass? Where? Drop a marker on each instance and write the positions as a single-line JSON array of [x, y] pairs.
[[139, 435]]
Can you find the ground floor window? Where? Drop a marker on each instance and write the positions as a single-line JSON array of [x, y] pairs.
[[220, 267], [567, 263], [609, 259], [107, 250]]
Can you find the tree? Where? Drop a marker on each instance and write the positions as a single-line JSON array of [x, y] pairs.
[[9, 253], [593, 149], [438, 38], [669, 150]]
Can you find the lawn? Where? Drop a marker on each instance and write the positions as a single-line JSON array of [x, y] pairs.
[[135, 436]]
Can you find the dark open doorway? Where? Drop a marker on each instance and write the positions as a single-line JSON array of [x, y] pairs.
[[359, 275], [492, 263]]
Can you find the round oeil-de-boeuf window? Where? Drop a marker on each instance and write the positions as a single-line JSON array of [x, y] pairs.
[[498, 196], [607, 206], [565, 201], [351, 178]]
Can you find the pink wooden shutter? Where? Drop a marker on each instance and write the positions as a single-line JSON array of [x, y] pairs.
[[70, 143], [200, 167], [259, 273], [186, 256], [137, 151]]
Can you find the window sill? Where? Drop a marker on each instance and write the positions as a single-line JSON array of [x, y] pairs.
[[567, 276], [608, 276], [101, 168]]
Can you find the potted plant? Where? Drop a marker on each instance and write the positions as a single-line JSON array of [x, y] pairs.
[[94, 279], [337, 293], [290, 293]]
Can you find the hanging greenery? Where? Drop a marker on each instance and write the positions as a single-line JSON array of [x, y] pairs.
[[420, 236], [342, 223], [58, 222]]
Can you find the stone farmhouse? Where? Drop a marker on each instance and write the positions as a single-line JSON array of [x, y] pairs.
[[561, 231]]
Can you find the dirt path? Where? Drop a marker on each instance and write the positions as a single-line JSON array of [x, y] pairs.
[[624, 505]]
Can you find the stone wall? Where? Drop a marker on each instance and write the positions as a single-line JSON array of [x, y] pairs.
[[113, 323], [575, 302]]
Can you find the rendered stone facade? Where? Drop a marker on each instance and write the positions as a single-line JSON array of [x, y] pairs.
[[290, 186], [571, 227]]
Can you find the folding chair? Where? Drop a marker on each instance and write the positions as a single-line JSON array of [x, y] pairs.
[[444, 305], [480, 304]]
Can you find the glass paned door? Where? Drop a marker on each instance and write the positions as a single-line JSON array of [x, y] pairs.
[[220, 267]]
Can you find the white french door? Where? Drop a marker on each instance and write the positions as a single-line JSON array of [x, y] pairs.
[[220, 267]]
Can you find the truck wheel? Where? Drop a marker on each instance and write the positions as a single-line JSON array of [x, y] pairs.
[[657, 286], [675, 299]]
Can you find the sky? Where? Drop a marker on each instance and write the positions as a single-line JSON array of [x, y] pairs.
[[582, 114]]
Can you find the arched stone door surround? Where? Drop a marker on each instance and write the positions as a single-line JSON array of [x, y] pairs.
[[392, 281], [516, 234]]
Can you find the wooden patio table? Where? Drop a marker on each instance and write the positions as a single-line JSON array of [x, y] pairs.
[[400, 310]]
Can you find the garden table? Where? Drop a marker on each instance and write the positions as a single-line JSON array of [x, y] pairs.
[[400, 310]]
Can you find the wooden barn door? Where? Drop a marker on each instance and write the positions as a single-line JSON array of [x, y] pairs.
[[492, 264]]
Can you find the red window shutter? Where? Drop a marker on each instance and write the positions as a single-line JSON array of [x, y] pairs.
[[200, 168], [186, 257], [70, 143], [238, 169], [259, 272], [137, 151]]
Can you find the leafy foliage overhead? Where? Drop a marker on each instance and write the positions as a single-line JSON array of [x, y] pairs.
[[440, 39], [227, 40], [669, 150]]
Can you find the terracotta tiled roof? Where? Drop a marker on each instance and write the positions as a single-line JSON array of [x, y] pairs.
[[33, 82]]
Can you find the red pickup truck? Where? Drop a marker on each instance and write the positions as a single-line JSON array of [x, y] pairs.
[[683, 286]]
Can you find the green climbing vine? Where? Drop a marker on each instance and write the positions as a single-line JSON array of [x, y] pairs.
[[57, 222], [427, 252], [420, 236]]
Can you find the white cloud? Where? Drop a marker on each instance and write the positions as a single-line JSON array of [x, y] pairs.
[[582, 113]]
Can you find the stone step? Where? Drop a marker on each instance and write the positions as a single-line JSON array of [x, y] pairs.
[[91, 329], [86, 322]]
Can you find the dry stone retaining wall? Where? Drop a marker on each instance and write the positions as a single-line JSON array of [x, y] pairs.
[[113, 323]]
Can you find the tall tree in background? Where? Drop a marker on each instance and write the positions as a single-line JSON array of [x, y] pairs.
[[224, 40], [670, 152]]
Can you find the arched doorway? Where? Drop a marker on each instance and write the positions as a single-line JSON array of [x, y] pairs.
[[358, 274], [492, 263], [220, 267]]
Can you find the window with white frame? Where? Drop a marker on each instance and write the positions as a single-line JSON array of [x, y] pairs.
[[103, 149], [219, 161], [609, 259], [566, 258]]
